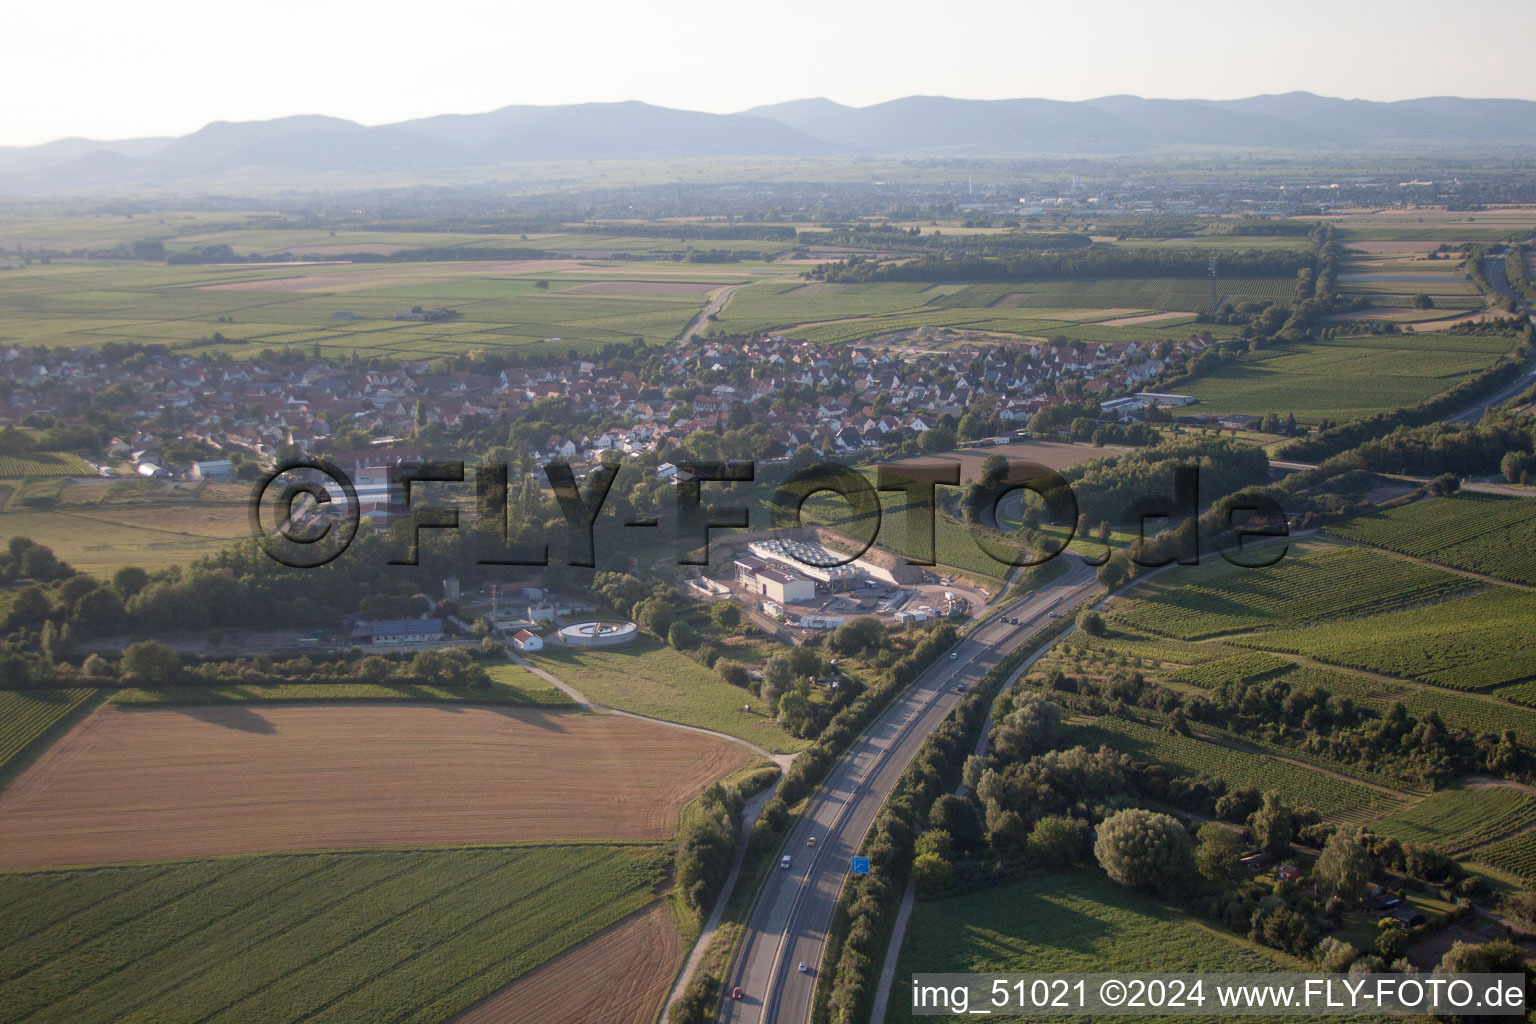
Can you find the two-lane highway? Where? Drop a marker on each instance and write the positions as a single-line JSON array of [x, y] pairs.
[[788, 924]]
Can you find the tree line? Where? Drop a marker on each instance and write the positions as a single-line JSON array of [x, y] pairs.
[[1096, 261]]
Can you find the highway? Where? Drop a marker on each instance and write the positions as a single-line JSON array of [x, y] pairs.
[[788, 924]]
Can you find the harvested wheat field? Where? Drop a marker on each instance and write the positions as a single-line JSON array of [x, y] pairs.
[[1144, 318], [619, 976], [192, 782]]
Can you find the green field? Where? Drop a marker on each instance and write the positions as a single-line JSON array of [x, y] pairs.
[[401, 936], [1336, 798], [1206, 665], [1352, 607], [1233, 668], [498, 305], [1345, 378], [1517, 855], [1144, 649], [649, 678], [1464, 643], [1460, 820], [1324, 584], [44, 464], [1494, 534], [1076, 921], [155, 528], [28, 715], [1520, 693]]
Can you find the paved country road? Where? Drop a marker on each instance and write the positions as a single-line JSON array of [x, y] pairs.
[[788, 924]]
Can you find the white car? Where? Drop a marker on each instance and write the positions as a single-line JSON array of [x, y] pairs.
[[784, 861], [953, 656]]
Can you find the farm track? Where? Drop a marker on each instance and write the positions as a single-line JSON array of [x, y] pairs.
[[715, 305]]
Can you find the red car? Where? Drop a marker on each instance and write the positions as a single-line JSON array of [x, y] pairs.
[[737, 993]]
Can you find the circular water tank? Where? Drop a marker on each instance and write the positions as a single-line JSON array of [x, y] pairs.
[[608, 633]]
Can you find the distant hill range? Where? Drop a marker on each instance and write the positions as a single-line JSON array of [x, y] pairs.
[[291, 147]]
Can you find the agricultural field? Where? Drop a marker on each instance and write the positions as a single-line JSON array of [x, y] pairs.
[[1050, 454], [1131, 647], [1517, 855], [99, 230], [649, 678], [1459, 821], [1344, 378], [308, 242], [1237, 668], [1324, 584], [44, 464], [1520, 693], [1065, 922], [99, 526], [131, 785], [619, 975], [1104, 311], [1205, 665], [1336, 798], [1493, 534], [28, 715], [1393, 279], [414, 935], [1474, 712], [1430, 224], [496, 305], [1464, 643]]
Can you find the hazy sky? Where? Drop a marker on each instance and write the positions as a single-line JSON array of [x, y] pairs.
[[108, 69]]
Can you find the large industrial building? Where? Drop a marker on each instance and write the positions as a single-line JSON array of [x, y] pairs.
[[810, 560], [756, 576]]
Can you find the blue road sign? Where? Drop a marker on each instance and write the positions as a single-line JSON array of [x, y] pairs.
[[861, 865]]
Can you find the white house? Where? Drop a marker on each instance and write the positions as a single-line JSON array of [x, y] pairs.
[[523, 640]]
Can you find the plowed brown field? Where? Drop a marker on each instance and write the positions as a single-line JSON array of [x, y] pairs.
[[193, 782], [619, 976]]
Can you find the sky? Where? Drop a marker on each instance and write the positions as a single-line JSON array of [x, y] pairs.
[[106, 69]]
